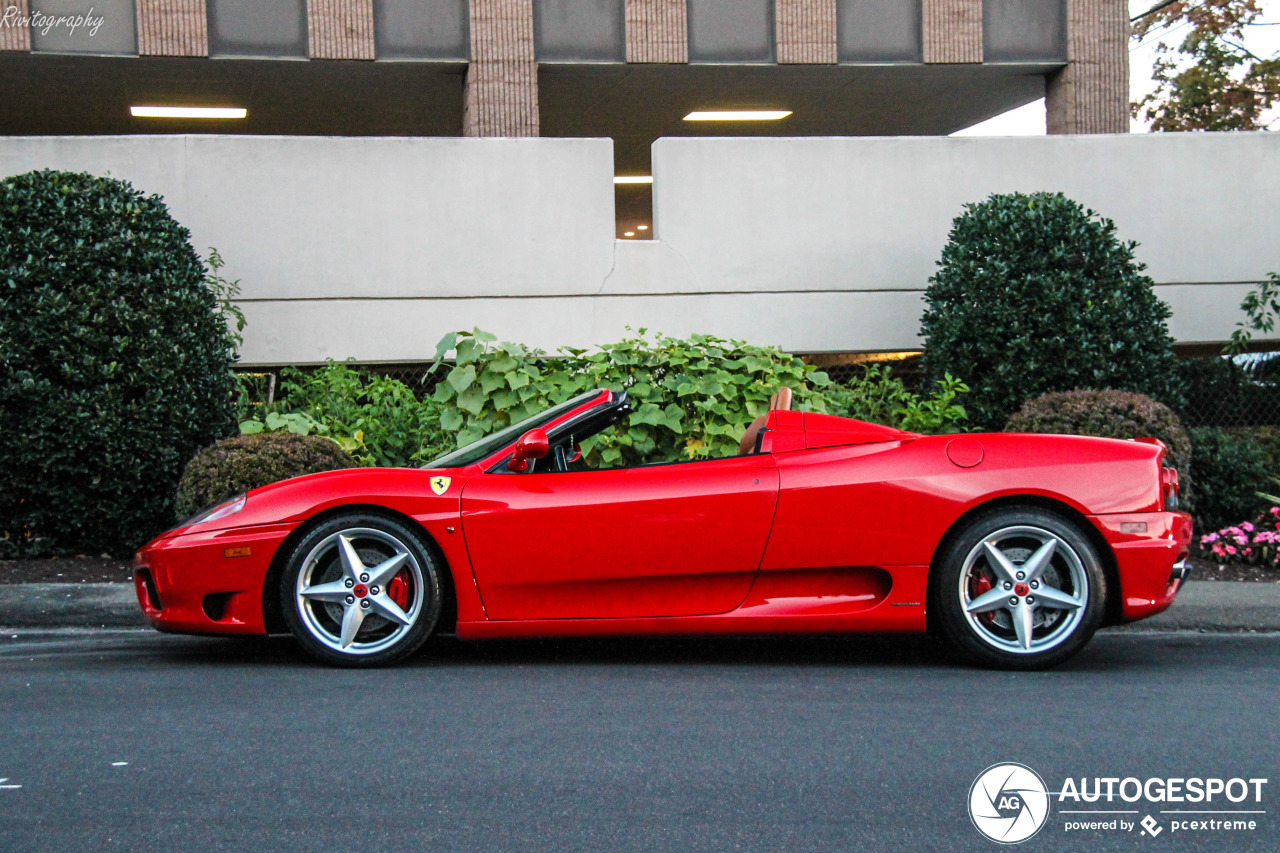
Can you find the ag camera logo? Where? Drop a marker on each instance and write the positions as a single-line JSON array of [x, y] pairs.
[[1008, 803]]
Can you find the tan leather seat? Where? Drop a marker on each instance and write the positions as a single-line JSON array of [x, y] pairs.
[[780, 402]]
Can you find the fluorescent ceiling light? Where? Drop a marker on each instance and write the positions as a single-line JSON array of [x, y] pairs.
[[189, 112], [642, 227], [737, 115], [633, 179], [629, 234]]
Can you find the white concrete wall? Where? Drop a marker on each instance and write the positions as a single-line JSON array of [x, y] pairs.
[[374, 248], [870, 215]]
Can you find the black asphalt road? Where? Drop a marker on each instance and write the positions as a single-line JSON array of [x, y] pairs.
[[777, 745]]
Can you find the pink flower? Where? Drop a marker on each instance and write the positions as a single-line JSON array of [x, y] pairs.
[[1231, 550], [1248, 526], [1217, 549], [1275, 510]]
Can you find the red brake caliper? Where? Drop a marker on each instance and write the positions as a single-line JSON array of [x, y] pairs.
[[978, 586], [398, 589]]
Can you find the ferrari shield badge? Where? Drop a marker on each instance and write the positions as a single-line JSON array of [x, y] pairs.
[[440, 485]]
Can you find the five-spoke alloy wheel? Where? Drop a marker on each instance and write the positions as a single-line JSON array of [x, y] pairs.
[[360, 590], [1020, 588]]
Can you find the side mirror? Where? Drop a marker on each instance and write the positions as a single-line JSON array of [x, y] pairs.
[[532, 445]]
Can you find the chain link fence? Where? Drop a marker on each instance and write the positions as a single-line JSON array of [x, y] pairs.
[[1239, 391]]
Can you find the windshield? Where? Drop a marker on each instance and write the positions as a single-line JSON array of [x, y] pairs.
[[488, 445]]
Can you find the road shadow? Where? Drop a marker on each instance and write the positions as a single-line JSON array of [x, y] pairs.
[[1107, 653], [447, 651], [843, 650]]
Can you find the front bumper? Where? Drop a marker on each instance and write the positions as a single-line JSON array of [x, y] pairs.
[[207, 583], [1151, 550]]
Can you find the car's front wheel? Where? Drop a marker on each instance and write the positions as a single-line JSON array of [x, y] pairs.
[[360, 590], [1020, 588]]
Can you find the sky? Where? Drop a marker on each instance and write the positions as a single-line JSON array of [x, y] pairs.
[[1029, 120]]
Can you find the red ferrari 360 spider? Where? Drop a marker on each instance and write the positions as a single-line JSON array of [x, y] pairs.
[[1016, 548]]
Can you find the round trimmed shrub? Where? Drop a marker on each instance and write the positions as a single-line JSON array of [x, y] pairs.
[[1036, 294], [114, 364], [1230, 471], [1109, 414], [245, 462]]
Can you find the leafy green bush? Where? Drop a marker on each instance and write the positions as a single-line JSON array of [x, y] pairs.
[[1036, 294], [245, 462], [692, 399], [114, 364], [1267, 438], [1109, 414], [380, 420], [880, 397], [1229, 470]]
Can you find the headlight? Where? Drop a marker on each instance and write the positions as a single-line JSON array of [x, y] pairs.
[[222, 510]]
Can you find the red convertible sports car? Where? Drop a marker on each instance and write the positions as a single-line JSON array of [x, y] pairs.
[[1016, 548]]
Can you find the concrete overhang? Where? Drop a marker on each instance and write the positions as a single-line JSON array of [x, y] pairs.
[[47, 94], [632, 104], [636, 104]]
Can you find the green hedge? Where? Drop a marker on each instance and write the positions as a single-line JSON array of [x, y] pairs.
[[246, 462], [114, 364], [1109, 414], [380, 420], [1035, 294], [692, 398], [1228, 472]]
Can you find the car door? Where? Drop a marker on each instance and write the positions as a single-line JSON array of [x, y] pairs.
[[662, 540]]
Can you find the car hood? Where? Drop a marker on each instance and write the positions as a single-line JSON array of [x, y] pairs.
[[298, 498]]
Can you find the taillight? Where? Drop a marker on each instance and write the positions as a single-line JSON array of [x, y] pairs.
[[1169, 487]]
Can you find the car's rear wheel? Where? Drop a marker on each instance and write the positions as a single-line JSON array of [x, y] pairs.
[[1020, 588], [360, 590]]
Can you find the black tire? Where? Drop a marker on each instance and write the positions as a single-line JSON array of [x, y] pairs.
[[350, 616], [1033, 614]]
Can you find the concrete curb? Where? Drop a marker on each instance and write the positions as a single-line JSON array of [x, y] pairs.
[[1202, 606]]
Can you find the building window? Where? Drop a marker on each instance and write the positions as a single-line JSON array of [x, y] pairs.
[[879, 30], [103, 27], [1024, 30], [580, 30], [255, 28], [422, 29], [731, 31]]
